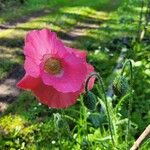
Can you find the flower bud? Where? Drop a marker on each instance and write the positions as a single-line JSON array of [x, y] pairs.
[[96, 119], [120, 86], [90, 100]]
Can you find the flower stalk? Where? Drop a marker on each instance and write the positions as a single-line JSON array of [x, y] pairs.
[[101, 84], [128, 63]]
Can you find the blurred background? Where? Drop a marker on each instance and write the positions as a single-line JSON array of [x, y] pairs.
[[102, 27]]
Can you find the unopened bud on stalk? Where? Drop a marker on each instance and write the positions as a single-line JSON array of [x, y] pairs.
[[120, 86], [90, 100]]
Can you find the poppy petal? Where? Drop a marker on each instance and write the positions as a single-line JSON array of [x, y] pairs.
[[72, 78]]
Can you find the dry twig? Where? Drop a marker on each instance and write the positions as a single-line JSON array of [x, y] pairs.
[[141, 138]]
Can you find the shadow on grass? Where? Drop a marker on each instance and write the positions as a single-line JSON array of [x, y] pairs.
[[106, 6], [11, 42]]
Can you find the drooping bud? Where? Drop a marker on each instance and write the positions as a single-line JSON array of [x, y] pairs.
[[96, 119], [90, 100], [120, 86]]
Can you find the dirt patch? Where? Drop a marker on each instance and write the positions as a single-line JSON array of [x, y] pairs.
[[12, 24], [78, 31], [8, 89]]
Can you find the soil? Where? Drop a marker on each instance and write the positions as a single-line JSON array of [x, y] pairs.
[[11, 24], [8, 89]]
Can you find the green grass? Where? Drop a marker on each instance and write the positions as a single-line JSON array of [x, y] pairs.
[[17, 11], [26, 124], [62, 19]]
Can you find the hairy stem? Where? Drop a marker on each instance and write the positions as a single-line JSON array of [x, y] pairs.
[[128, 62], [101, 84]]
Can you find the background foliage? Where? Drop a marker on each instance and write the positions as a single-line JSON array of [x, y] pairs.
[[107, 27]]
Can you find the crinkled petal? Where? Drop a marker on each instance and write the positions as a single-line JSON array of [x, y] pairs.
[[72, 78], [78, 53], [47, 94], [53, 98], [31, 67], [28, 82], [90, 68], [41, 42]]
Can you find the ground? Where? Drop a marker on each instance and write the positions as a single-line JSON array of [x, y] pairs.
[[103, 28]]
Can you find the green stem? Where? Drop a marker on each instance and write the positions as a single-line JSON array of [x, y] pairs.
[[84, 115], [101, 84], [128, 62], [107, 109], [71, 134]]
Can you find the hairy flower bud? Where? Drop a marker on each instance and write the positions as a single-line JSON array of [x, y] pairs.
[[120, 86], [90, 100], [96, 119]]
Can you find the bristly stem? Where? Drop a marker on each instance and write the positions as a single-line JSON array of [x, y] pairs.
[[129, 62], [101, 84]]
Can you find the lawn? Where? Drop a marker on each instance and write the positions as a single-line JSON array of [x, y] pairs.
[[104, 28]]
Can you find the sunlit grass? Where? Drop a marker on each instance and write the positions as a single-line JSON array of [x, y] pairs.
[[88, 12], [34, 5], [62, 21], [28, 124]]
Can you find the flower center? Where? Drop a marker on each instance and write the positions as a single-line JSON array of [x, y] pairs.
[[52, 66]]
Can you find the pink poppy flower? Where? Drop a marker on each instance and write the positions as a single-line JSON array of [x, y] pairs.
[[55, 73]]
